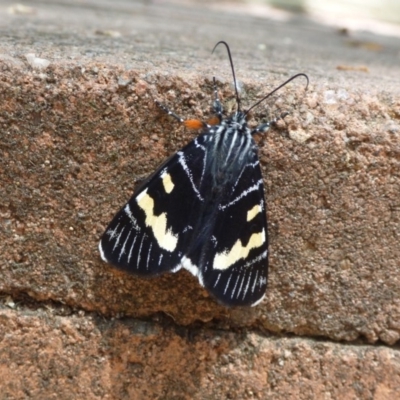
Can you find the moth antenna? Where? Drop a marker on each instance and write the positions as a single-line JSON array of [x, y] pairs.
[[276, 89], [232, 68]]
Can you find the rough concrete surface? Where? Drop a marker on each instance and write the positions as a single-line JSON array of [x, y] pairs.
[[79, 130], [85, 357]]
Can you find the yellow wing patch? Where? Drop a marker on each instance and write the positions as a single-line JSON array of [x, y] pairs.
[[253, 212], [225, 259], [167, 182], [158, 223]]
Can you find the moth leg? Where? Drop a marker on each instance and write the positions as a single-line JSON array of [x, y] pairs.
[[217, 106], [266, 125], [169, 112], [189, 123]]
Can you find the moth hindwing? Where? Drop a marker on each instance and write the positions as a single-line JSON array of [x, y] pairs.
[[203, 210]]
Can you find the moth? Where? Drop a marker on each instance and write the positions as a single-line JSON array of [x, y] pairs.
[[202, 210]]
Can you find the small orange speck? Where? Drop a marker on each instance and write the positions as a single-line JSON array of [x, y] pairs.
[[194, 124]]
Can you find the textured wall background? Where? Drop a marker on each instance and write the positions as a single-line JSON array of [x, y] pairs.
[[79, 130]]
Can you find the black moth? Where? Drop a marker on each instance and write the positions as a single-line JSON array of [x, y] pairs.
[[202, 210]]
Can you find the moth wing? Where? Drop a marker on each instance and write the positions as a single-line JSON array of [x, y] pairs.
[[233, 258], [149, 234]]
